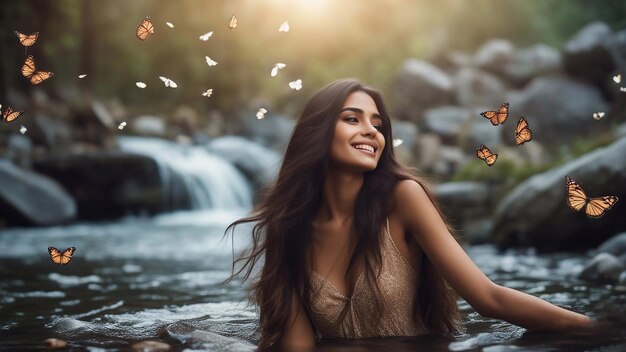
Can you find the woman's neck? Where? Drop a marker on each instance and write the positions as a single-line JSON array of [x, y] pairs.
[[339, 194]]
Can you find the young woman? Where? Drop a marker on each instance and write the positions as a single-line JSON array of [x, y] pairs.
[[353, 245]]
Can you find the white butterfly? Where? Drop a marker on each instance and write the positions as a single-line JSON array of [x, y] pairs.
[[168, 82], [82, 76], [169, 24], [140, 84], [208, 93], [233, 22], [206, 36], [121, 125], [617, 78], [397, 142], [23, 129], [284, 27], [622, 89], [297, 84], [598, 115], [261, 113], [210, 61], [276, 68]]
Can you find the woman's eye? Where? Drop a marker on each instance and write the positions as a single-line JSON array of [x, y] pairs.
[[379, 127], [351, 118]]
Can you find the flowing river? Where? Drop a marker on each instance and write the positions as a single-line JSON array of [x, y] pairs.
[[160, 279]]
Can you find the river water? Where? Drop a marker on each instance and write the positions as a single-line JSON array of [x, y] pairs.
[[160, 279]]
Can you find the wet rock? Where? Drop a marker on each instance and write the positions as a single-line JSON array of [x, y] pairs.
[[448, 122], [150, 346], [604, 267], [588, 54], [528, 63], [535, 213], [54, 344], [108, 185], [495, 55], [554, 118], [475, 87], [616, 245], [464, 203], [419, 86], [28, 198]]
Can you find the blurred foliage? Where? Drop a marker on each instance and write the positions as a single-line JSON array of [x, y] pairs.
[[328, 40]]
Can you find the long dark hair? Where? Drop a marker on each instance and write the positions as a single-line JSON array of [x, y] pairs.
[[283, 218]]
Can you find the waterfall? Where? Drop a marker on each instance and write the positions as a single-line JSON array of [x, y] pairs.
[[209, 181]]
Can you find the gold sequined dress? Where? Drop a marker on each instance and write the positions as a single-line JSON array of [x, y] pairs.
[[398, 283]]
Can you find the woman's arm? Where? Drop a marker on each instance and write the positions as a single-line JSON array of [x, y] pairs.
[[420, 217], [299, 334]]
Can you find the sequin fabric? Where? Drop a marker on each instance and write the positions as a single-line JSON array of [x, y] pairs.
[[398, 283]]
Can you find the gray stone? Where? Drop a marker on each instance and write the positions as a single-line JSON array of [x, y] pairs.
[[588, 53], [557, 107], [535, 213], [495, 55], [531, 62], [448, 122], [419, 86], [476, 87], [604, 267], [28, 198], [616, 245]]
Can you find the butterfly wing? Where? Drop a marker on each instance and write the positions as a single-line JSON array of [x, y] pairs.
[[145, 29], [55, 255], [598, 206], [233, 22], [40, 76], [66, 255], [576, 197], [27, 40], [29, 68], [497, 117], [483, 153], [9, 115], [523, 134]]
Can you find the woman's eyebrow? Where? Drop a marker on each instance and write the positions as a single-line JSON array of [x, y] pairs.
[[359, 111]]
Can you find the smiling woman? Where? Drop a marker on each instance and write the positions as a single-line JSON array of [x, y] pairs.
[[355, 244]]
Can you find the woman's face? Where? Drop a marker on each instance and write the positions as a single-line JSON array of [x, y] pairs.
[[358, 141]]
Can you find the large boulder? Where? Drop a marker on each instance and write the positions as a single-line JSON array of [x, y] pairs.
[[556, 108], [108, 185], [273, 131], [531, 62], [536, 214], [475, 87], [495, 55], [591, 53], [27, 198], [448, 122], [418, 86]]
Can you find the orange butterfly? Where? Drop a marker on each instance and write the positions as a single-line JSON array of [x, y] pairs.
[[9, 115], [30, 71], [523, 134], [145, 28], [497, 117], [27, 40], [233, 22], [61, 258], [577, 200], [483, 153]]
